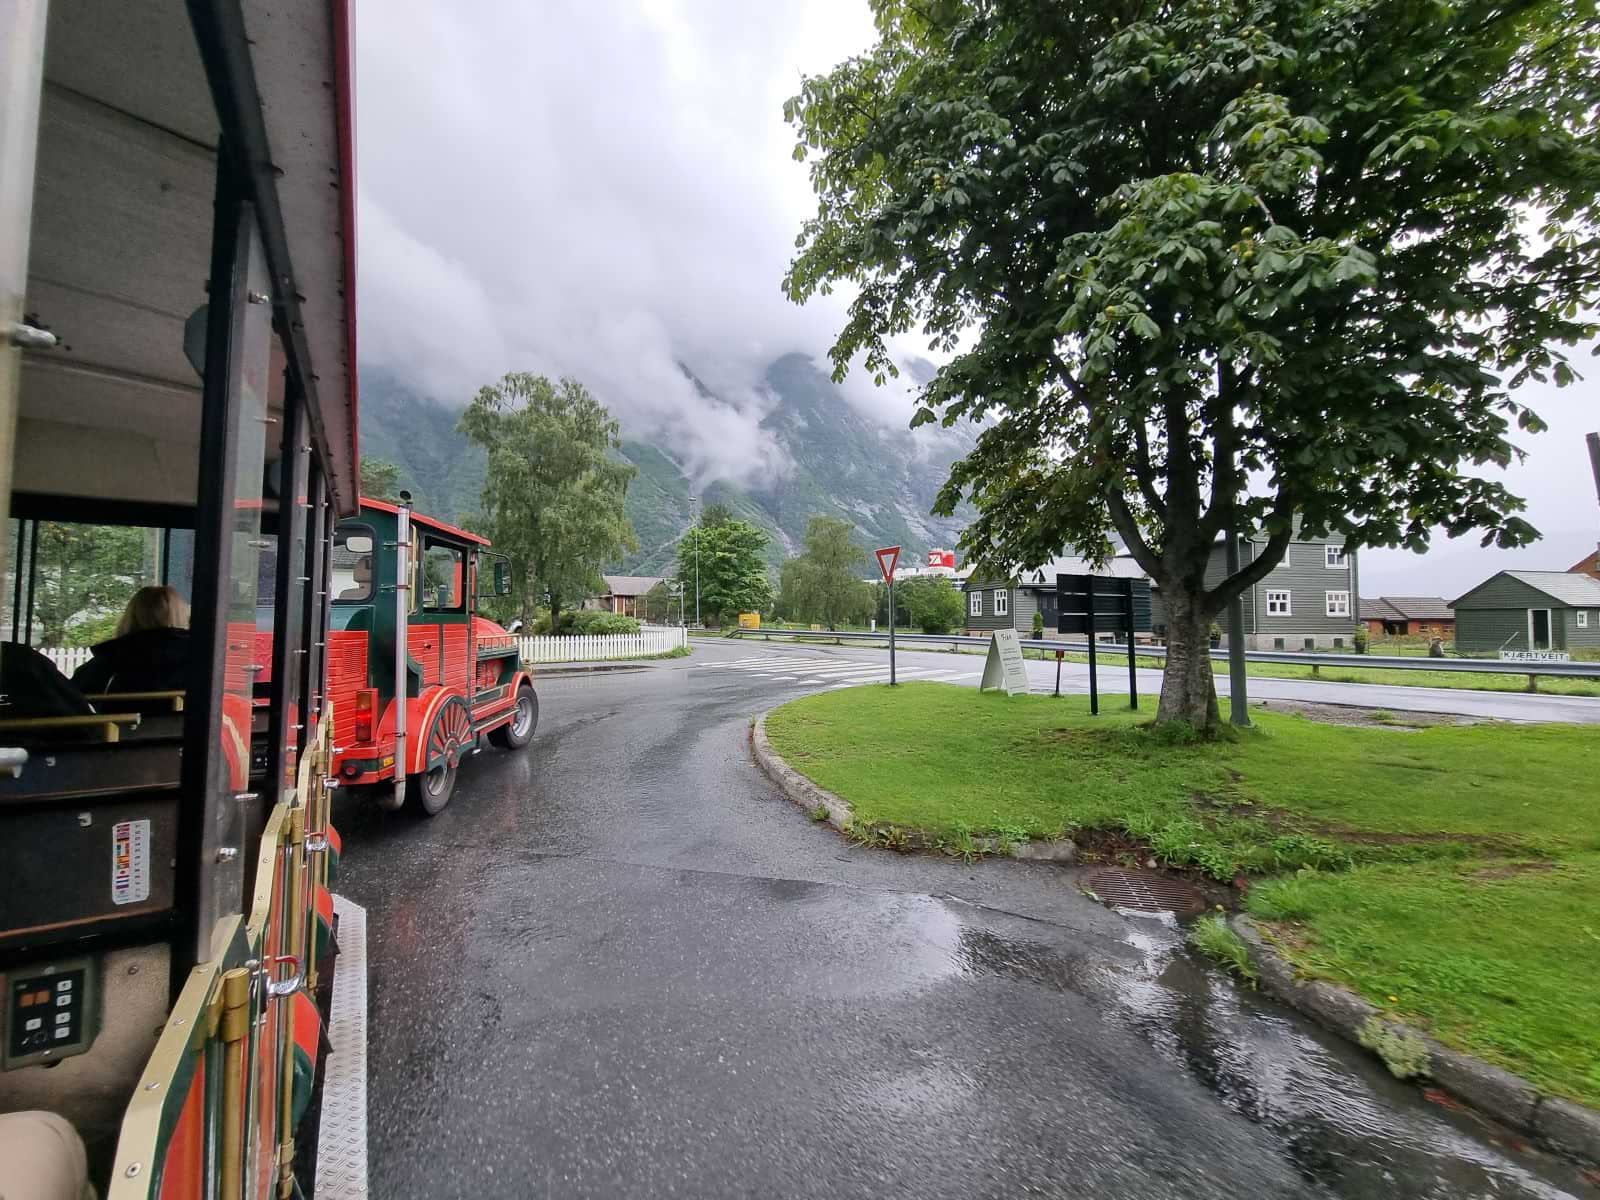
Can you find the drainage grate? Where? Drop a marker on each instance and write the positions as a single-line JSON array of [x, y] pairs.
[[1145, 892]]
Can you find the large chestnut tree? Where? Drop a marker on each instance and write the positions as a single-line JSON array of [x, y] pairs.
[[1212, 265]]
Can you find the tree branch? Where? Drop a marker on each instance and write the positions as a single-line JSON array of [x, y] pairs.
[[1253, 573], [1145, 473], [1128, 526]]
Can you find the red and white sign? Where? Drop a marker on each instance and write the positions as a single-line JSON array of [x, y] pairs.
[[942, 558], [887, 558]]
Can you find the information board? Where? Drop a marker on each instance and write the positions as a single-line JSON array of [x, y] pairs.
[[1005, 668]]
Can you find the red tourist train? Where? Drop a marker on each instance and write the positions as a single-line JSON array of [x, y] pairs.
[[460, 673]]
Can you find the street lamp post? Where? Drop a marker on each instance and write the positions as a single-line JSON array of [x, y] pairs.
[[693, 502]]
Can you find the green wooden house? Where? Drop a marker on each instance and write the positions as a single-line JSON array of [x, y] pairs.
[[1529, 610]]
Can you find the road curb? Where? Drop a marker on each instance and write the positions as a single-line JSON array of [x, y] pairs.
[[555, 672], [1569, 1128], [795, 785], [841, 816]]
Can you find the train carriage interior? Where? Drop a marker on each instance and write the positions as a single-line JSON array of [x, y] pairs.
[[184, 419]]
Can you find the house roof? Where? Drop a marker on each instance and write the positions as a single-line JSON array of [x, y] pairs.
[[1377, 608], [1045, 576], [629, 585], [1420, 608], [1589, 562], [1564, 587]]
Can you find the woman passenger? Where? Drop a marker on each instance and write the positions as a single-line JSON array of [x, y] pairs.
[[150, 652]]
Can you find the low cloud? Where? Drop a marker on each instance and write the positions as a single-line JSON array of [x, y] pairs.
[[603, 190]]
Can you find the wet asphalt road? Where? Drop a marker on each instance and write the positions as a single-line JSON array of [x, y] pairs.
[[620, 964]]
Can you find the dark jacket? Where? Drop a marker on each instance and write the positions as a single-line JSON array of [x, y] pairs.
[[31, 686], [148, 660]]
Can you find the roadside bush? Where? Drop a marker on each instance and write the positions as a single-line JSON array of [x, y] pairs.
[[931, 603], [583, 621], [588, 621]]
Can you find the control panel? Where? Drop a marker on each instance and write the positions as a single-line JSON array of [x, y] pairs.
[[51, 1011]]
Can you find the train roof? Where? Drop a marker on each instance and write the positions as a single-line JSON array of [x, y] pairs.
[[417, 518], [138, 95]]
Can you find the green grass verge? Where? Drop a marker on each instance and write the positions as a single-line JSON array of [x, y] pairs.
[[1461, 681], [1555, 686], [1453, 868], [1497, 958], [1288, 793]]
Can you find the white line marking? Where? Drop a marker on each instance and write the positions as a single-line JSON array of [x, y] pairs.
[[342, 1133]]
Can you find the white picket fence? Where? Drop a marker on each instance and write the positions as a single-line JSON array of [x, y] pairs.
[[68, 658], [651, 639], [600, 646]]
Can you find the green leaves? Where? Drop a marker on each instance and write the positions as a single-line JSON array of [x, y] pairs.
[[823, 583], [725, 559], [554, 491]]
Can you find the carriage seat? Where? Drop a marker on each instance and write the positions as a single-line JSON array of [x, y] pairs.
[[42, 1158]]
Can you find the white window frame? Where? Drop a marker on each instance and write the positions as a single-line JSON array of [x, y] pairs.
[[1002, 602], [1287, 602], [1583, 618], [1333, 557], [1336, 603], [975, 604]]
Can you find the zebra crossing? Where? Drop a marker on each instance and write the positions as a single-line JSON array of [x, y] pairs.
[[826, 671]]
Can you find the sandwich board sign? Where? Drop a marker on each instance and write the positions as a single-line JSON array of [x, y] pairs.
[[1004, 668]]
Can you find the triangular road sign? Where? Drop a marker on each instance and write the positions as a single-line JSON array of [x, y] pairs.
[[887, 558]]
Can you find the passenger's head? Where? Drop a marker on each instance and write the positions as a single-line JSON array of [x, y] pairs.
[[154, 608]]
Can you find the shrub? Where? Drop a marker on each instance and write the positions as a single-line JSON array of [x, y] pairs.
[[588, 621], [1360, 639], [1038, 624]]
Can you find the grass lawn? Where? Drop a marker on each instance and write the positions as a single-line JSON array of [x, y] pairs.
[[1552, 685], [1473, 682], [1454, 868]]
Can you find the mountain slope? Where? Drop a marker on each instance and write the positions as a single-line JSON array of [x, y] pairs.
[[844, 464]]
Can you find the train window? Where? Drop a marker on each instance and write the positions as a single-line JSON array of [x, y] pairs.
[[68, 582], [442, 568], [352, 565]]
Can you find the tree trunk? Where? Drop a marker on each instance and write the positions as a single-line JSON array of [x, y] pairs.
[[1188, 687], [555, 614], [525, 602]]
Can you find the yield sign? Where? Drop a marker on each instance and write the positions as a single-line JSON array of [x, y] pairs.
[[887, 558]]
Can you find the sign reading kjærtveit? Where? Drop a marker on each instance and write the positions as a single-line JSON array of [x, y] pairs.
[[1005, 668]]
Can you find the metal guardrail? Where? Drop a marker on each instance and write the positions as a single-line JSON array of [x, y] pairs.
[[1304, 658]]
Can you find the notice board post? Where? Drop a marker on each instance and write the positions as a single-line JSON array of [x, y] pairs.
[[1087, 604], [887, 558], [1094, 671]]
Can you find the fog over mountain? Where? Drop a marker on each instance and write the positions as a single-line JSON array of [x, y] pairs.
[[835, 462]]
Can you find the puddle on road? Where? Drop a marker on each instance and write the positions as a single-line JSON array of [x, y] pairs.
[[1341, 1120]]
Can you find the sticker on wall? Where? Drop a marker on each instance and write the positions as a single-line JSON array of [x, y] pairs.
[[130, 862]]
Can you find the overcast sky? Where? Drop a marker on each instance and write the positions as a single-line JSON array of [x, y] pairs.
[[603, 188]]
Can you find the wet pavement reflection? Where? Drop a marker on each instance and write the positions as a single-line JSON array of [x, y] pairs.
[[621, 965]]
